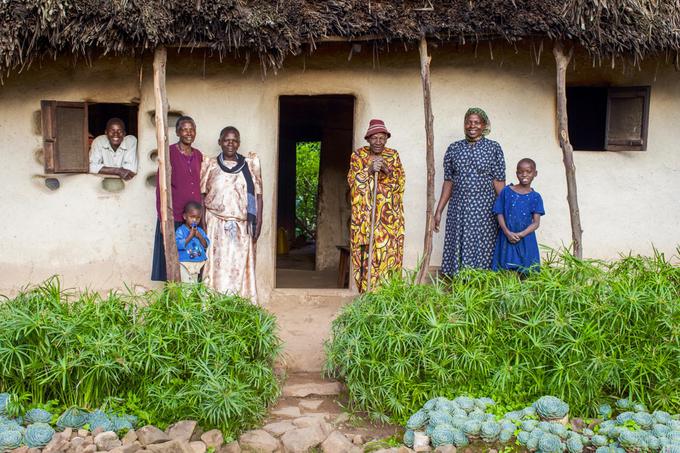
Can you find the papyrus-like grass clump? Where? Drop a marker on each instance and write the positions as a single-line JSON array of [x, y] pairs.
[[182, 352], [583, 331]]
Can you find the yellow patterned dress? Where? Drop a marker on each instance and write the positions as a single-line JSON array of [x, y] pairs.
[[388, 236]]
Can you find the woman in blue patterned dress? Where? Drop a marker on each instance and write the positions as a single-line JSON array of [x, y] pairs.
[[474, 174]]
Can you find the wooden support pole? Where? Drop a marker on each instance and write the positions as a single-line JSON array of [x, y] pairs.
[[425, 60], [160, 58], [562, 60]]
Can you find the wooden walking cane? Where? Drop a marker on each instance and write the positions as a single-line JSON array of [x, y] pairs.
[[370, 235]]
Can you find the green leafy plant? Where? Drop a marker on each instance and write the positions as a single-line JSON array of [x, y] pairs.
[[581, 330], [180, 352], [16, 404], [387, 442], [307, 160]]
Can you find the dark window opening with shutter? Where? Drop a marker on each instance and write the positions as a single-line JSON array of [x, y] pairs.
[[608, 118], [69, 127]]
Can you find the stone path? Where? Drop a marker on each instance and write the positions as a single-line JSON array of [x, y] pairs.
[[309, 418]]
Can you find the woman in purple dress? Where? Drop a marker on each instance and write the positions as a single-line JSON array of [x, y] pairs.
[[185, 162]]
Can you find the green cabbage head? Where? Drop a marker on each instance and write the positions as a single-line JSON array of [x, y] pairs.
[[10, 439], [72, 418], [409, 437], [38, 435], [417, 420], [550, 443], [37, 416], [551, 408], [442, 435]]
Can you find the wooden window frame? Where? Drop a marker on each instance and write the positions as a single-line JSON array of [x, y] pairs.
[[628, 92], [51, 141]]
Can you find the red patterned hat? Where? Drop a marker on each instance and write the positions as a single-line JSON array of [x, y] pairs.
[[375, 127]]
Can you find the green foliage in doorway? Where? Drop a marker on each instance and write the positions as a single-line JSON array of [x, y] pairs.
[[182, 352], [584, 331], [307, 159]]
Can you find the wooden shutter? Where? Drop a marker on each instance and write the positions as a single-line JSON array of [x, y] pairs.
[[65, 128], [627, 119]]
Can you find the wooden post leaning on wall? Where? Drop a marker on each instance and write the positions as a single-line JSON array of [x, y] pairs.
[[562, 60], [425, 60], [160, 58]]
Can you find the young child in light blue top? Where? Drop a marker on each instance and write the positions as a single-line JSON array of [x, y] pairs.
[[191, 243]]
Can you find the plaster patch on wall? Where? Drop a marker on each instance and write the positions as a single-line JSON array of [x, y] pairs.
[[52, 183], [39, 156], [113, 184], [36, 122], [46, 184], [173, 116], [151, 180]]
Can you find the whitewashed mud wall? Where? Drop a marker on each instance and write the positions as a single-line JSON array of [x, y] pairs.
[[103, 240]]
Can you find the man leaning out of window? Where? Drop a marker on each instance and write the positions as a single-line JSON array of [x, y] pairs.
[[114, 153]]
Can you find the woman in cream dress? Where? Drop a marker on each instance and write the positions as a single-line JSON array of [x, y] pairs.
[[232, 188]]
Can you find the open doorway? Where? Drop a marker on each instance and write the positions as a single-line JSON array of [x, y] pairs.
[[315, 145]]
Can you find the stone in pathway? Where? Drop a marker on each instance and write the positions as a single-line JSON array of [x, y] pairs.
[[198, 447], [312, 388], [149, 434], [310, 405], [287, 412], [338, 443], [106, 441], [258, 441], [232, 447], [307, 421], [277, 429], [182, 430], [213, 438], [301, 440], [173, 446], [309, 418], [446, 449]]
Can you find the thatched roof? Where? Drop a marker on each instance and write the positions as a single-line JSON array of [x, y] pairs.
[[274, 29]]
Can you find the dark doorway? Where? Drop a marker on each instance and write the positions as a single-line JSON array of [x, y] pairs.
[[315, 145]]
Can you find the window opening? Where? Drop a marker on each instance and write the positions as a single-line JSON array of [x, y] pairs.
[[607, 118], [69, 128]]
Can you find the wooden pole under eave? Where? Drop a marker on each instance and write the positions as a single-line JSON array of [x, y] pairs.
[[562, 60], [425, 60], [160, 58]]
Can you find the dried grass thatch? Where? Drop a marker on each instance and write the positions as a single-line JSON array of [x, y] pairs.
[[274, 29]]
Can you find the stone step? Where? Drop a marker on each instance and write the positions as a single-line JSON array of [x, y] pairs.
[[303, 385], [311, 417], [304, 318], [305, 390]]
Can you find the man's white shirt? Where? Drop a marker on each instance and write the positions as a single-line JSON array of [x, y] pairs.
[[103, 155]]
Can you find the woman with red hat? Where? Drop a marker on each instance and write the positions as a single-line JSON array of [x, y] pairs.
[[388, 231]]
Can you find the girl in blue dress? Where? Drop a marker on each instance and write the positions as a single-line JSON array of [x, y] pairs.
[[519, 209]]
